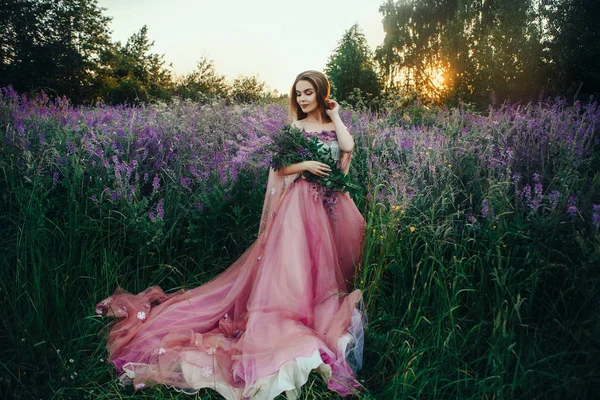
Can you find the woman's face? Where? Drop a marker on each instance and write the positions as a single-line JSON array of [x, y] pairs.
[[306, 96]]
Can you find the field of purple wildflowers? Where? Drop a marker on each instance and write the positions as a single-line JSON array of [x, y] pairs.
[[482, 262]]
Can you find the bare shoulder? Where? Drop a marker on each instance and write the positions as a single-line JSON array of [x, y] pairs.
[[297, 124]]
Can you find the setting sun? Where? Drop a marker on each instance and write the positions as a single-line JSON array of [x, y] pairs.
[[436, 82]]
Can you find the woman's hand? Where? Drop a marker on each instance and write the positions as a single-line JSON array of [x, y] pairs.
[[317, 168], [332, 108]]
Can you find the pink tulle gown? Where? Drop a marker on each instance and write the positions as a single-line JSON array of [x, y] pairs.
[[259, 328]]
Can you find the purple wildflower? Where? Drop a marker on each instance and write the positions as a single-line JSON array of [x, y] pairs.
[[185, 181], [199, 206], [160, 212], [116, 195], [193, 171], [485, 208], [571, 206], [406, 144], [55, 177], [155, 184], [130, 168], [539, 190], [516, 178], [527, 193], [596, 216], [302, 152]]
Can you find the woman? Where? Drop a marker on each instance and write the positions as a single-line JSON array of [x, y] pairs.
[[279, 311]]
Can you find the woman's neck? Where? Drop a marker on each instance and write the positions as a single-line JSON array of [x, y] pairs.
[[315, 120], [317, 116]]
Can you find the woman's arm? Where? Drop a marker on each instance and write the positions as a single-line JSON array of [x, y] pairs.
[[292, 169], [314, 167]]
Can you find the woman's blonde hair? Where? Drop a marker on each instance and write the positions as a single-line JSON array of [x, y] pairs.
[[322, 88]]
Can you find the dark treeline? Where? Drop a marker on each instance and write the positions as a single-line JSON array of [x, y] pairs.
[[444, 51], [63, 47]]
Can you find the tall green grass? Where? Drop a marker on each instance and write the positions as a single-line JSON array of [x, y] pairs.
[[458, 306]]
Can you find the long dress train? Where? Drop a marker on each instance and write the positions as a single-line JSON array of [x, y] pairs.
[[278, 312]]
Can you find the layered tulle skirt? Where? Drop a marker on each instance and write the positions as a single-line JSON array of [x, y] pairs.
[[283, 309]]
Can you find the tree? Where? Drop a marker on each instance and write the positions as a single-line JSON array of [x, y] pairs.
[[203, 84], [248, 89], [52, 46], [351, 70], [133, 74], [450, 49], [573, 44]]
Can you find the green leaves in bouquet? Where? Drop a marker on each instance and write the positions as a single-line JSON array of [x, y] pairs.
[[287, 147], [292, 146]]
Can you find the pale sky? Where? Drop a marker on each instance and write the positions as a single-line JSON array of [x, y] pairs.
[[274, 39]]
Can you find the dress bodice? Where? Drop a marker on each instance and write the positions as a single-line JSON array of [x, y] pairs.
[[329, 139]]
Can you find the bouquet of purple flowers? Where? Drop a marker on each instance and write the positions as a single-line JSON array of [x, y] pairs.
[[291, 146]]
